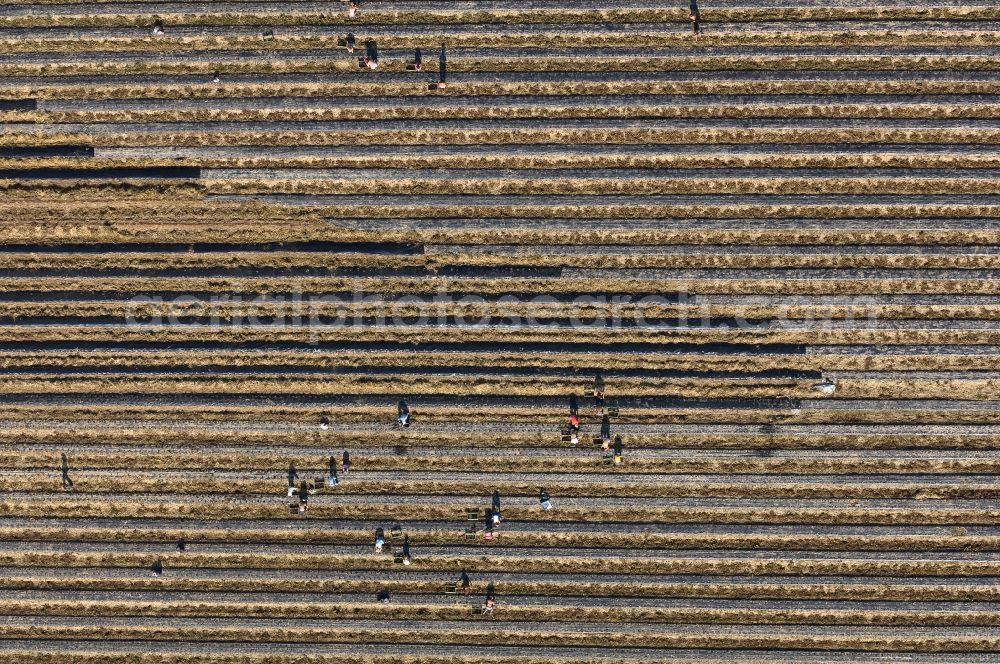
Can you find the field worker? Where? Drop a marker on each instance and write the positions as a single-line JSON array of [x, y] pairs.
[[303, 496], [347, 462], [695, 20], [491, 600], [544, 500], [605, 432], [402, 414], [464, 582], [157, 568], [599, 393], [442, 68], [292, 476], [618, 449], [66, 481], [371, 54], [574, 429], [383, 596], [406, 550], [488, 524], [496, 500], [181, 545], [324, 423], [216, 77], [352, 8], [331, 477], [157, 27], [418, 60], [350, 42], [379, 540], [574, 405]]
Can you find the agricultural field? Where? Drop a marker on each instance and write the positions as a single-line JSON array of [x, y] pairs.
[[228, 249]]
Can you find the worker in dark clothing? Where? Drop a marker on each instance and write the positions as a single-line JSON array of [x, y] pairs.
[[347, 462], [292, 476], [331, 478], [402, 414], [544, 500], [350, 42], [371, 54], [599, 393], [418, 60], [406, 550], [379, 540], [324, 423], [618, 449], [157, 568], [496, 499], [605, 432], [157, 27], [303, 496], [695, 18], [464, 582], [442, 68], [488, 524], [574, 405], [181, 545], [574, 429], [383, 596], [66, 481]]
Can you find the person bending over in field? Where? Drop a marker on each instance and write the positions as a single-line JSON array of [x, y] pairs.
[[574, 429], [292, 476], [181, 545], [347, 462], [418, 60], [352, 8], [406, 550], [618, 448], [605, 432], [574, 405], [66, 481], [402, 414], [383, 596], [464, 583], [371, 54], [331, 477], [488, 524], [496, 501], [303, 496], [599, 393], [350, 42], [379, 540], [491, 600], [544, 500]]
